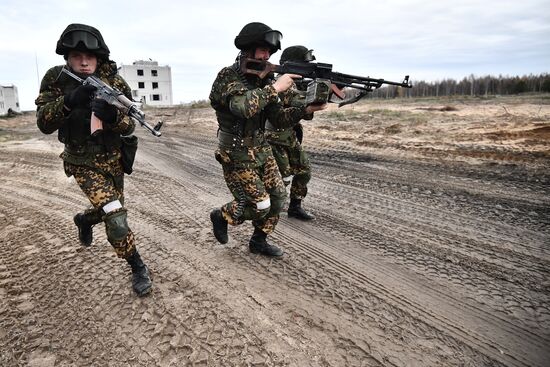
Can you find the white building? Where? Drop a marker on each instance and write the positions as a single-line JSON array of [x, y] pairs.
[[150, 83], [9, 99]]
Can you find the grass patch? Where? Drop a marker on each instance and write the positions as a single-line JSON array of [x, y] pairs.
[[200, 104], [387, 113], [415, 119], [344, 115]]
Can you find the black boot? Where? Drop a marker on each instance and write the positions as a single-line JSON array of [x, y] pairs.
[[295, 210], [219, 225], [141, 281], [258, 244], [85, 223]]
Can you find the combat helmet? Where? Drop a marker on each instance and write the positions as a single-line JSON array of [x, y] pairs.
[[82, 37], [257, 35], [296, 53]]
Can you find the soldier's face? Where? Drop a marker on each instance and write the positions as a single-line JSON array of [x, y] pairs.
[[82, 62], [262, 53]]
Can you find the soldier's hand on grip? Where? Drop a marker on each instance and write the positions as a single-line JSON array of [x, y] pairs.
[[284, 82], [80, 96], [105, 112], [316, 107]]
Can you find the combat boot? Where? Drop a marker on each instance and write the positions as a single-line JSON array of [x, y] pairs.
[[219, 225], [258, 245], [141, 280], [295, 210], [85, 223]]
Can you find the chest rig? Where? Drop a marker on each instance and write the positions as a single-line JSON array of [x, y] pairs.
[[235, 132]]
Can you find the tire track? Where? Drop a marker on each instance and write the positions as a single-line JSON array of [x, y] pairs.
[[413, 281]]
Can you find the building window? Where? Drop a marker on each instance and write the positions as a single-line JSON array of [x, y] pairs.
[[17, 104], [155, 85], [140, 72], [134, 93], [156, 97], [141, 85], [154, 73]]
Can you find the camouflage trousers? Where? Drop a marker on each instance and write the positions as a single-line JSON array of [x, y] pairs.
[[294, 166], [252, 176], [102, 181]]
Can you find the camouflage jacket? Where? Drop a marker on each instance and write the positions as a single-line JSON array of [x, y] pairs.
[[243, 103], [74, 126]]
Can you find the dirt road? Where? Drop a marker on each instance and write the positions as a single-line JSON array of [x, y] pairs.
[[431, 247]]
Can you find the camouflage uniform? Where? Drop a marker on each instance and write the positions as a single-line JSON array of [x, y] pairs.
[[242, 104], [285, 140], [95, 163]]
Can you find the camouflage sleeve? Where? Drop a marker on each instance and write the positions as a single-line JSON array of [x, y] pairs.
[[50, 114], [295, 98], [229, 91], [125, 125], [283, 117], [290, 111]]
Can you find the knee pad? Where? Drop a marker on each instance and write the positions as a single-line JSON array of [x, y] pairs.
[[116, 225]]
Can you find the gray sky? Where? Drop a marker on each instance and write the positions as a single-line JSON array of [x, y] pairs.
[[429, 40]]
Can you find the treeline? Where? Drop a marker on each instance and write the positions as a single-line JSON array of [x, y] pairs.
[[470, 86]]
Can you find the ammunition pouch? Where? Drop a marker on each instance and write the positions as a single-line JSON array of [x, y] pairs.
[[128, 152]]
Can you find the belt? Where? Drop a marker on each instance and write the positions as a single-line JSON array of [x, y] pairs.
[[83, 149], [228, 139]]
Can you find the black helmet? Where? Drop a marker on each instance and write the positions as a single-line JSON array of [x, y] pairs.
[[257, 35], [296, 53], [82, 37]]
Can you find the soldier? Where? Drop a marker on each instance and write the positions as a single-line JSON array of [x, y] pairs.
[[286, 143], [243, 102], [95, 161]]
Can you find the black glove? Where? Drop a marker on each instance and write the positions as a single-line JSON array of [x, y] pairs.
[[79, 96], [105, 112]]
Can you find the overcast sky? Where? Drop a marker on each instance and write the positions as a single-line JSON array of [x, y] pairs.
[[427, 39]]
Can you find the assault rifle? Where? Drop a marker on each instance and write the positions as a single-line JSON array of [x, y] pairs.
[[116, 98], [324, 80]]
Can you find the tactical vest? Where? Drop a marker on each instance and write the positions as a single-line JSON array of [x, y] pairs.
[[248, 132], [75, 132]]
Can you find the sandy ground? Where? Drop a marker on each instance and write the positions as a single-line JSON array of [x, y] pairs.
[[431, 247]]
